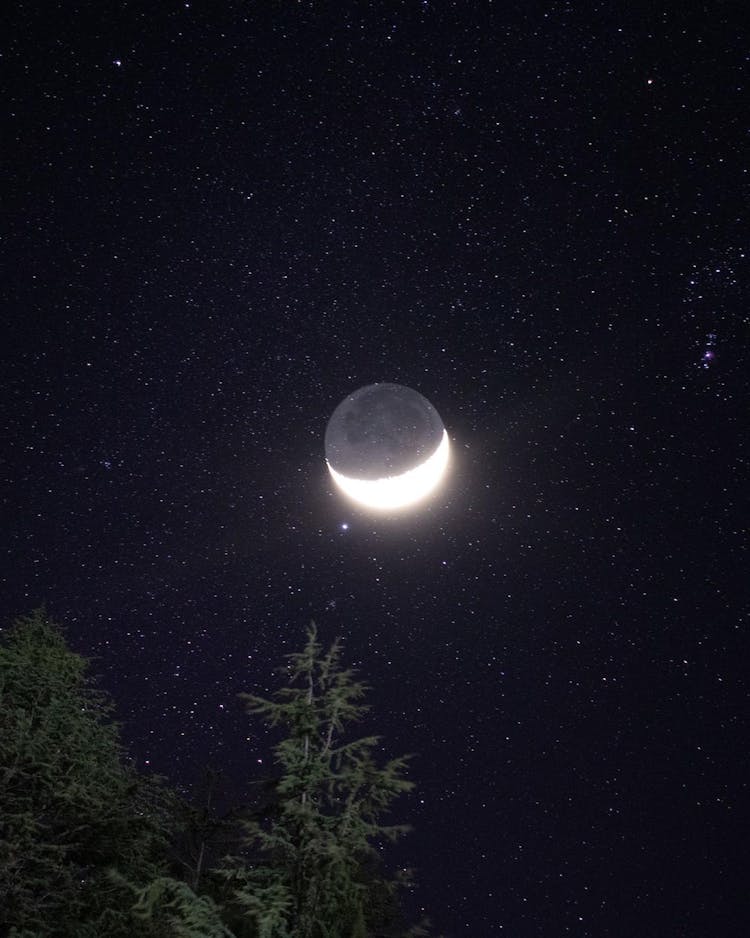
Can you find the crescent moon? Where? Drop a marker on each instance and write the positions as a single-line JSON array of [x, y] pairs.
[[386, 447], [401, 491]]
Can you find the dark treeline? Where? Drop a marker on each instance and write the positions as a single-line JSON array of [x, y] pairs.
[[90, 848]]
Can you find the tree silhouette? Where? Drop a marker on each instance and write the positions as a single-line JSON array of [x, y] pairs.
[[90, 849], [313, 869], [70, 806]]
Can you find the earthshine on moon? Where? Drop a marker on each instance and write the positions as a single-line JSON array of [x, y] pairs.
[[386, 446]]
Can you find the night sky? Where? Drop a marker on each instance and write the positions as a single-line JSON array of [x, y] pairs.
[[219, 219]]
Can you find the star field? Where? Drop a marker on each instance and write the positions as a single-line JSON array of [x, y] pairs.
[[221, 220]]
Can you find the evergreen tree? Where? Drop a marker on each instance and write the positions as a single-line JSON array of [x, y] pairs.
[[310, 871], [70, 806]]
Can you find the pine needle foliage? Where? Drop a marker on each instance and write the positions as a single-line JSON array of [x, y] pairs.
[[70, 806], [174, 909], [311, 866]]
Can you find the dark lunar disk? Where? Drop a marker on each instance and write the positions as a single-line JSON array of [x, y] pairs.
[[382, 430]]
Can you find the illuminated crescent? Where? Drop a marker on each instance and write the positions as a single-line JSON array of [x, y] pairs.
[[398, 491]]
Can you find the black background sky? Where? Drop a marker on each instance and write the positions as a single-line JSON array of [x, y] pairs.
[[219, 220]]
